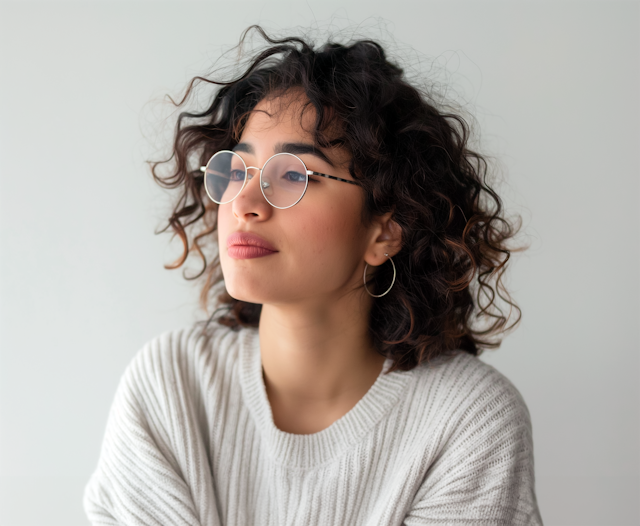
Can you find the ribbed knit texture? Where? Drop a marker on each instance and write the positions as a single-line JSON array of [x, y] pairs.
[[190, 440]]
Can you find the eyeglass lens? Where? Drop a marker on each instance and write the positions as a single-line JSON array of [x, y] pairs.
[[283, 180]]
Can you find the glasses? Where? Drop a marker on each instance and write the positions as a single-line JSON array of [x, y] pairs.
[[283, 178]]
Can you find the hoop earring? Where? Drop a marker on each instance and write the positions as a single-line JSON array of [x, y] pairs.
[[364, 278]]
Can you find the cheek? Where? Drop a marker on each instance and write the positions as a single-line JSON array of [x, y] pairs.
[[330, 229], [223, 224]]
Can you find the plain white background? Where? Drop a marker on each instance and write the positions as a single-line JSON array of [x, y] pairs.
[[555, 89]]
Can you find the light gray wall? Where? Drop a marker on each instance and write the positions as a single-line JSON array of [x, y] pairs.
[[555, 88]]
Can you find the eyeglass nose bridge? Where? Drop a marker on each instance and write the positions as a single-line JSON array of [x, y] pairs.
[[267, 186], [249, 176], [263, 186]]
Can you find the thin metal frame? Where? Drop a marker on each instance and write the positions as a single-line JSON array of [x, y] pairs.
[[247, 177]]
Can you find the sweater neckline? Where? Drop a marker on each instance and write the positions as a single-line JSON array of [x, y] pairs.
[[304, 451]]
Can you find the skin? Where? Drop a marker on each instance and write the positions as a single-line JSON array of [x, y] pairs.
[[318, 359]]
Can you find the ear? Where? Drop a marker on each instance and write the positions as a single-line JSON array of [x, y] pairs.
[[386, 237]]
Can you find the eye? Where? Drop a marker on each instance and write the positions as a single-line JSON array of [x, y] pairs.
[[236, 175], [294, 177]]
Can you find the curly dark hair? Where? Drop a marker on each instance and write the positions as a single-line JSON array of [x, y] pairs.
[[410, 158]]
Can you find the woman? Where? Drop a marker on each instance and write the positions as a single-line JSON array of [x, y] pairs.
[[361, 251]]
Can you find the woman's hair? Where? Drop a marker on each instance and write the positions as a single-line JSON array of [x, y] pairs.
[[410, 158]]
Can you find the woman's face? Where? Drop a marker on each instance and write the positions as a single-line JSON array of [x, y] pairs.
[[320, 242]]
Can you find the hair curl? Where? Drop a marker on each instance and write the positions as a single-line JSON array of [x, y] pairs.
[[410, 158]]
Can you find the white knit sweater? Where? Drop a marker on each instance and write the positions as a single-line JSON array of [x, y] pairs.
[[190, 440]]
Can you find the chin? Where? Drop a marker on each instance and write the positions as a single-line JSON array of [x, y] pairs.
[[244, 289], [242, 297], [269, 293], [244, 283]]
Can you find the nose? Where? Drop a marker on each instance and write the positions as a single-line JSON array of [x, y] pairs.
[[250, 204]]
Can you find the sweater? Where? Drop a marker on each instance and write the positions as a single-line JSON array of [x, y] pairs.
[[190, 440]]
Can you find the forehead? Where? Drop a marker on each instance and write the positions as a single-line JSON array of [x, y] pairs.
[[290, 114], [291, 118]]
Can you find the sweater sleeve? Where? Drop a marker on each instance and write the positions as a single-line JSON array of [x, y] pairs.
[[484, 473], [153, 468]]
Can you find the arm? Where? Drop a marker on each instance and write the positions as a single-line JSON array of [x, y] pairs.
[[484, 473], [153, 467]]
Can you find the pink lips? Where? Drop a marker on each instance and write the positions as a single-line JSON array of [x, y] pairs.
[[243, 245]]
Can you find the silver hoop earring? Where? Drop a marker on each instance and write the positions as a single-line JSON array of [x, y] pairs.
[[392, 282]]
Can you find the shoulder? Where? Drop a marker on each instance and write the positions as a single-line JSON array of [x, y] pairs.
[[462, 393], [181, 359], [479, 454]]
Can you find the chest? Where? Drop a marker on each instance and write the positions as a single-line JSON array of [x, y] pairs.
[[370, 485]]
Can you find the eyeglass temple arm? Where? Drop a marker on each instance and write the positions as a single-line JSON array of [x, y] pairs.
[[309, 172]]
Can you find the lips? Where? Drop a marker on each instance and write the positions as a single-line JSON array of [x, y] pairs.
[[244, 245]]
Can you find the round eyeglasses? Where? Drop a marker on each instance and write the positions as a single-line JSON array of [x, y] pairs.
[[283, 178]]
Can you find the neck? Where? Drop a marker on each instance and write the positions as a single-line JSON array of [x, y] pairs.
[[317, 356]]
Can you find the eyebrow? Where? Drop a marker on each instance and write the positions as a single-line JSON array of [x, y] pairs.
[[296, 148]]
